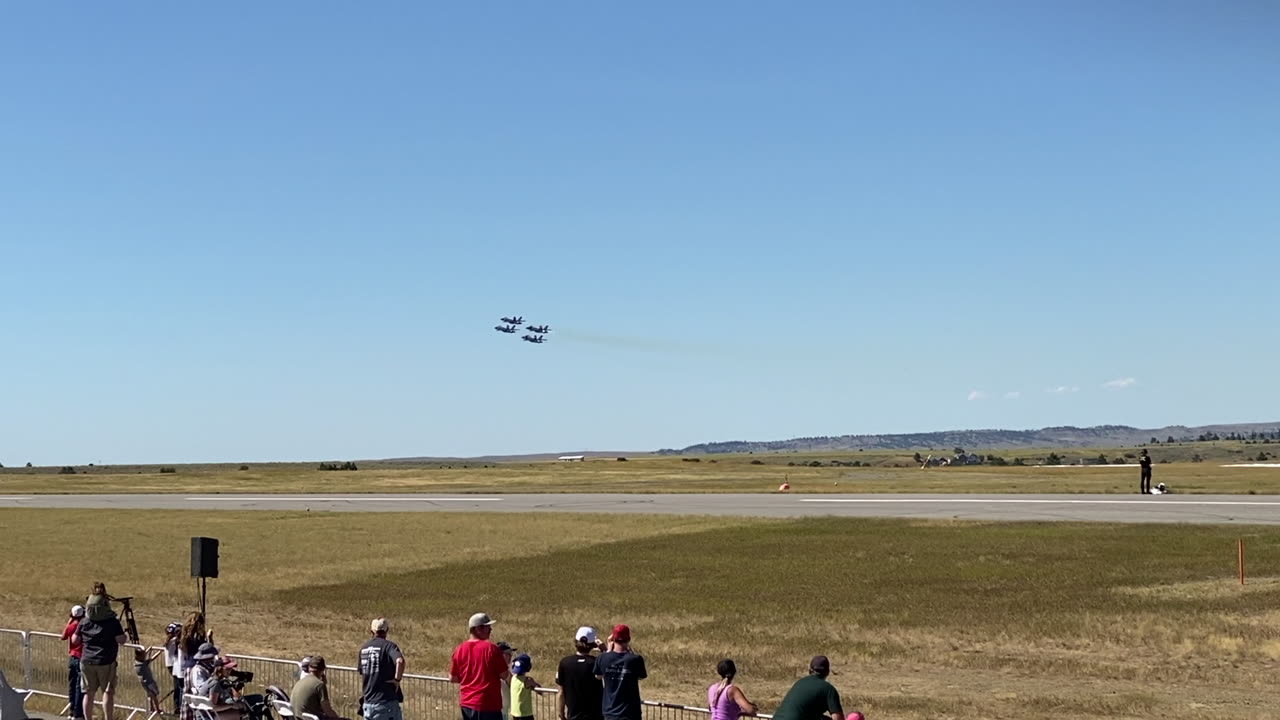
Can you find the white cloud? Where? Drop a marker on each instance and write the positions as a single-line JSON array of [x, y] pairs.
[[1012, 395], [1063, 389], [977, 395], [1119, 383]]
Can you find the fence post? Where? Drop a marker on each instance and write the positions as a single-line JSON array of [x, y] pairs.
[[26, 660]]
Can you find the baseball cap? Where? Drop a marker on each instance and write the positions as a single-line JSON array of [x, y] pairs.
[[820, 664], [379, 625], [521, 665], [586, 634], [622, 633], [77, 611], [505, 646], [479, 619], [305, 663], [172, 628], [318, 663]]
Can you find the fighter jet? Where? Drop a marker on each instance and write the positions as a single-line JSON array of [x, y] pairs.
[[538, 339], [506, 328], [513, 320], [540, 329]]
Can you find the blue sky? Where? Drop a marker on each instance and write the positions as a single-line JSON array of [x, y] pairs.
[[284, 231]]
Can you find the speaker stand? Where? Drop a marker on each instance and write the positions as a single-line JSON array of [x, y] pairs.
[[202, 585]]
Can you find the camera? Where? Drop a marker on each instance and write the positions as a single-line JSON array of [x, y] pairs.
[[236, 679]]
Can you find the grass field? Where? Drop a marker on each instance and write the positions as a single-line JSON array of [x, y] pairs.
[[921, 619], [721, 474]]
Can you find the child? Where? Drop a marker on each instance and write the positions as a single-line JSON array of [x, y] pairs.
[[522, 686], [172, 664], [142, 666]]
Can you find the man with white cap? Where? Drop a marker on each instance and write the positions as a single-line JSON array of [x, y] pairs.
[[479, 669], [75, 648], [382, 667], [580, 690]]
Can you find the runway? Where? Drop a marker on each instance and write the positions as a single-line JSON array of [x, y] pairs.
[[1250, 509]]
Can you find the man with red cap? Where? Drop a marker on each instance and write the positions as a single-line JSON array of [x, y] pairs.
[[621, 670]]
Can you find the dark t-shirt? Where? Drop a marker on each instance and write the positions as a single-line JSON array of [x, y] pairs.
[[1145, 462], [809, 699], [583, 692], [378, 668], [622, 673], [99, 638]]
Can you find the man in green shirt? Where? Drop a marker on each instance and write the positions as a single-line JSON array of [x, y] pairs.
[[311, 693], [812, 697]]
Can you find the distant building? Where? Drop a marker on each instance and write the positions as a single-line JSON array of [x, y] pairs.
[[572, 458]]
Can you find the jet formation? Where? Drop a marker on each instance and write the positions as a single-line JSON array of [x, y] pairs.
[[537, 334]]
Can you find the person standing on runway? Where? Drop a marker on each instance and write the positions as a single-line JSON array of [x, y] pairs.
[[1144, 461]]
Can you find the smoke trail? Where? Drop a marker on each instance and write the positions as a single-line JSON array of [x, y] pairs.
[[632, 343]]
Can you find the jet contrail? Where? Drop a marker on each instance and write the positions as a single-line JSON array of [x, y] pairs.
[[623, 342]]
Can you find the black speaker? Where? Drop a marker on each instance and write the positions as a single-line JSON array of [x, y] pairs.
[[204, 557]]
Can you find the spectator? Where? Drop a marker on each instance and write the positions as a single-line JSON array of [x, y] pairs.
[[75, 648], [507, 657], [382, 667], [304, 667], [97, 604], [726, 700], [812, 697], [192, 635], [101, 639], [172, 662], [479, 670], [1144, 473], [580, 690], [522, 687], [311, 693], [142, 659], [206, 679], [622, 670]]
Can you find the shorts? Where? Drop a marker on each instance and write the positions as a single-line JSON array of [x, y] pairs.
[[97, 677], [473, 714]]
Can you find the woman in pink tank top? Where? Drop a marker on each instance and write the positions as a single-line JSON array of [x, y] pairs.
[[725, 700]]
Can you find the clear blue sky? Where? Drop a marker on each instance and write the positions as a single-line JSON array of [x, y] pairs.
[[276, 231]]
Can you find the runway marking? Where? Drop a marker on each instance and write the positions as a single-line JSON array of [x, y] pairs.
[[1172, 503], [15, 497], [303, 498]]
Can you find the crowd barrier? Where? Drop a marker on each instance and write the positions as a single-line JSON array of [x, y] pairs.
[[36, 664]]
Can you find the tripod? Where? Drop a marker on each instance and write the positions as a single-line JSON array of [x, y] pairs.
[[130, 624]]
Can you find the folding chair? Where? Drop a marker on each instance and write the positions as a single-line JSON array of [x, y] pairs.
[[200, 705]]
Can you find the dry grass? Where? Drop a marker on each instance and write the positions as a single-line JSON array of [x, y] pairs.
[[644, 475], [922, 619]]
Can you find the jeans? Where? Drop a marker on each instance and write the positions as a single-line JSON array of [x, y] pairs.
[[74, 693], [473, 714], [177, 694], [382, 711]]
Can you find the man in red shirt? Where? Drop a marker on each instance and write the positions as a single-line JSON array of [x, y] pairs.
[[479, 669], [75, 649]]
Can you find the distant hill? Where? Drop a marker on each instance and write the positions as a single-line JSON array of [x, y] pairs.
[[1050, 437]]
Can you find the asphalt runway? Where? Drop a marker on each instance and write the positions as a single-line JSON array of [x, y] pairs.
[[1249, 509]]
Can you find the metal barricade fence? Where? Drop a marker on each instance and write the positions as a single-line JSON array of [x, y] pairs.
[[37, 661], [13, 656], [47, 672]]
